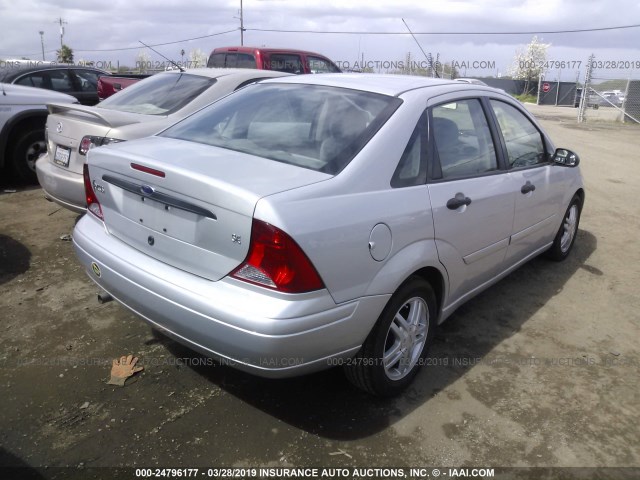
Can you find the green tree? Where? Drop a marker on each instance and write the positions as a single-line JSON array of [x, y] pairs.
[[65, 54]]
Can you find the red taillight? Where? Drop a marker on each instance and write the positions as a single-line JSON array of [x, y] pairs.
[[276, 261], [85, 144], [93, 205]]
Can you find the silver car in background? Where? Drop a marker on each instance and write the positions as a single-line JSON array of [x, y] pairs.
[[141, 110], [307, 222]]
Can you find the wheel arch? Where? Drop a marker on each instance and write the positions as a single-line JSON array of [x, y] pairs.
[[35, 118], [436, 279], [419, 259], [580, 193]]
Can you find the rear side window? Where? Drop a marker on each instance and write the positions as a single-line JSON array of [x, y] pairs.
[[462, 140], [34, 80], [315, 127], [412, 168], [524, 143], [246, 60], [216, 60], [162, 94], [58, 80], [231, 60]]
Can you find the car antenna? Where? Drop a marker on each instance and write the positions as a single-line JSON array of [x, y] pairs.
[[170, 61], [428, 57]]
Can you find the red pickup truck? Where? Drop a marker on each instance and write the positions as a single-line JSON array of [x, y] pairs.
[[110, 84], [279, 59]]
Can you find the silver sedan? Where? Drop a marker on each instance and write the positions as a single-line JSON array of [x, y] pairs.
[[141, 110], [308, 222]]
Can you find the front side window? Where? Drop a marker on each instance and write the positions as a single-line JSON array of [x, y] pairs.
[[282, 62], [523, 141], [88, 80], [316, 127], [60, 80], [161, 94], [321, 65], [463, 140]]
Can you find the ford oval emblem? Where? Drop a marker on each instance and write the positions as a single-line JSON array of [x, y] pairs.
[[147, 190]]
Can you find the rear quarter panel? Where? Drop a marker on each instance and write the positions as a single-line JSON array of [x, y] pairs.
[[332, 220]]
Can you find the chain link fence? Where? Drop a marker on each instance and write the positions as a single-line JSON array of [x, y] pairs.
[[609, 93]]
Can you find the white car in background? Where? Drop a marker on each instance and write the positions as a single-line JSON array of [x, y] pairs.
[[143, 109], [23, 113]]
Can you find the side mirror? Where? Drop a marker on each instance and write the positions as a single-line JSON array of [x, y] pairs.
[[566, 158]]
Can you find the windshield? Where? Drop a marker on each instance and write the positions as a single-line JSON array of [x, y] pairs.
[[161, 94], [316, 127]]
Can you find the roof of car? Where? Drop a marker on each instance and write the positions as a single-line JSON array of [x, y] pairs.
[[245, 49], [9, 73], [223, 72], [386, 84]]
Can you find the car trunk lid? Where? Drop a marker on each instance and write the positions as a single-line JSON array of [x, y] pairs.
[[67, 124], [187, 204]]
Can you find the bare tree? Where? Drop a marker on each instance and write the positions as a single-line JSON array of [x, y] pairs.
[[197, 59], [143, 61]]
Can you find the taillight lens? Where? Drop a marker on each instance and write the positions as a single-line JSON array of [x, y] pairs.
[[89, 141], [93, 205], [276, 261]]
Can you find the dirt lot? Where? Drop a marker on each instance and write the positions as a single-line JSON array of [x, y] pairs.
[[541, 370]]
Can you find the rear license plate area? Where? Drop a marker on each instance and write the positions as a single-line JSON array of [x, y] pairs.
[[62, 156]]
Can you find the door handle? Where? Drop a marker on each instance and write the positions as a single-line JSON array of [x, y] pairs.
[[458, 201], [527, 187]]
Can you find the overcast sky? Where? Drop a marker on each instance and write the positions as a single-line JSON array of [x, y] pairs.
[[115, 24]]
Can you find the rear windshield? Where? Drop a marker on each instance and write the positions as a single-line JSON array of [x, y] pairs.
[[316, 127], [161, 94]]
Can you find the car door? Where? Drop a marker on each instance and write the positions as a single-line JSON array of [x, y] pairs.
[[538, 185], [471, 195]]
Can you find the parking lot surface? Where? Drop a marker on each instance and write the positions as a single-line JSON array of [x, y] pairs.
[[539, 370]]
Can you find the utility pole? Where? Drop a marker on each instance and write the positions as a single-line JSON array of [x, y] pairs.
[[61, 21], [241, 24], [41, 32]]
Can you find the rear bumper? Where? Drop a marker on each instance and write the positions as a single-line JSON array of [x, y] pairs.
[[246, 327], [64, 187]]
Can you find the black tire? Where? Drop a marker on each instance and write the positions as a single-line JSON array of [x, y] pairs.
[[25, 150], [568, 231], [367, 369]]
